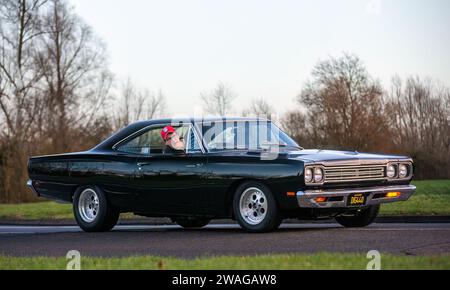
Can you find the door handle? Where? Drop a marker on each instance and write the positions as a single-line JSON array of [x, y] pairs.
[[194, 165], [143, 164]]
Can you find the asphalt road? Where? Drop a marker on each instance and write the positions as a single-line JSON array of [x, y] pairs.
[[128, 240]]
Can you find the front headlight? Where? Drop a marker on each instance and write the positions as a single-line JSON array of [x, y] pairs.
[[390, 172], [318, 174], [308, 175], [314, 175], [402, 171]]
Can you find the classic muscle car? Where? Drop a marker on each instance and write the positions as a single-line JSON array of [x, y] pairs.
[[246, 169]]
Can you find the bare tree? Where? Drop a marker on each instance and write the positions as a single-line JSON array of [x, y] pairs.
[[137, 104], [259, 108], [19, 28], [294, 123], [345, 106], [420, 114], [219, 100], [77, 80], [54, 81], [20, 99]]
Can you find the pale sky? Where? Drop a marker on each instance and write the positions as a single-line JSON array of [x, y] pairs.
[[264, 49]]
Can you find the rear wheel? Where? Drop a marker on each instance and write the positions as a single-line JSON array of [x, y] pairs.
[[361, 219], [255, 208], [189, 223], [92, 210]]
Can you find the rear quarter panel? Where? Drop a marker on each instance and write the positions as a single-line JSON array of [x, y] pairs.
[[50, 177], [57, 177]]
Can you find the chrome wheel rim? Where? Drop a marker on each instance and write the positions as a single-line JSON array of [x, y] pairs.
[[88, 205], [253, 206]]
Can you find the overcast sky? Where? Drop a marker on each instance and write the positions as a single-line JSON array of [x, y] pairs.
[[265, 49]]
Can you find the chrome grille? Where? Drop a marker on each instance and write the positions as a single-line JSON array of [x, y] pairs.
[[335, 174]]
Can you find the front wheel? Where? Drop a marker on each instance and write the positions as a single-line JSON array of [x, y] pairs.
[[255, 208], [361, 219], [92, 210]]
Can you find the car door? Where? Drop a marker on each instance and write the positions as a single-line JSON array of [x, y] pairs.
[[114, 172], [172, 183]]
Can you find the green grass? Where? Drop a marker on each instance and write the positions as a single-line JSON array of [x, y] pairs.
[[41, 210], [35, 211], [431, 198], [265, 262]]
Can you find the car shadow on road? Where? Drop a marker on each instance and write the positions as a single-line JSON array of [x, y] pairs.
[[224, 229]]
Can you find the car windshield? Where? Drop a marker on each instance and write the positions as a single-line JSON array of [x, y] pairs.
[[244, 135]]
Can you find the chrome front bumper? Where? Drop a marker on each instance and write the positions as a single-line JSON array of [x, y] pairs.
[[338, 198]]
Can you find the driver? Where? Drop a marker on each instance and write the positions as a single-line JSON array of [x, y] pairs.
[[172, 141]]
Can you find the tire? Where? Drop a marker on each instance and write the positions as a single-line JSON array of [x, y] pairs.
[[361, 219], [255, 208], [190, 223], [92, 210]]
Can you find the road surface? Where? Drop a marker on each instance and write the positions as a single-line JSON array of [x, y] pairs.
[[224, 239]]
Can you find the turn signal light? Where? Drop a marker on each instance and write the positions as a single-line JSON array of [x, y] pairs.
[[393, 194], [321, 199], [291, 193]]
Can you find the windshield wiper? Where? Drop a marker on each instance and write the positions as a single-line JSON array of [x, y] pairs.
[[284, 145], [291, 146]]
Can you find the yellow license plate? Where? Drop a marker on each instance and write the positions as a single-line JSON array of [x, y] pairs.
[[357, 199]]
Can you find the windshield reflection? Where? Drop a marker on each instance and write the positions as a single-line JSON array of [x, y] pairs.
[[244, 135]]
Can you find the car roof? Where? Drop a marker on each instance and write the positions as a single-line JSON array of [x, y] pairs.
[[134, 127], [203, 119]]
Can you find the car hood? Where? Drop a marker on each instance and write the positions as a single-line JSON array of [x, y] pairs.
[[317, 156]]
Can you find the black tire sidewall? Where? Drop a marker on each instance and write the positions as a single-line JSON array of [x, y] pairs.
[[272, 219], [103, 219]]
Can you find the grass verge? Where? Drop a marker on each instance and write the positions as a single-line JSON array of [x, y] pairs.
[[40, 211], [431, 198], [328, 261]]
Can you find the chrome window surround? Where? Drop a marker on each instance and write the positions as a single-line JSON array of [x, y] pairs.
[[378, 171]]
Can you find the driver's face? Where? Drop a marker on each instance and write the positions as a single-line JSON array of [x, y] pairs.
[[174, 141]]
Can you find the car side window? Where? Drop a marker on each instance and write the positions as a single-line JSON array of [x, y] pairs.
[[150, 142], [147, 143]]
